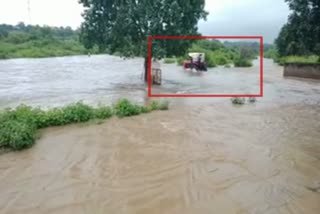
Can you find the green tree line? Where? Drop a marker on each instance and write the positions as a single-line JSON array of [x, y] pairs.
[[18, 41], [299, 38]]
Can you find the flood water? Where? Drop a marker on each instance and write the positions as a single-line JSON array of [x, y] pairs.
[[202, 156]]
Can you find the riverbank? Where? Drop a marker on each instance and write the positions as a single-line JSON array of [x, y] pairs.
[[302, 70], [186, 160]]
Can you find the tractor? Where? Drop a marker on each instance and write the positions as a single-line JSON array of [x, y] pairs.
[[196, 62]]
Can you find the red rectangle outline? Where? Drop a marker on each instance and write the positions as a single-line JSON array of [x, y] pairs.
[[150, 38]]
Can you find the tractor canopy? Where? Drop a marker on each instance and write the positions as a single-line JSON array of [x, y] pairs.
[[196, 55]]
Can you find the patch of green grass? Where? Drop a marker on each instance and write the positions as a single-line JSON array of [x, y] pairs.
[[169, 60], [298, 59], [18, 127]]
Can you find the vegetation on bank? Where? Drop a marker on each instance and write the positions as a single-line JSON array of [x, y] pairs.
[[242, 100], [298, 40], [298, 59], [272, 53], [18, 127], [240, 54], [27, 41], [169, 60]]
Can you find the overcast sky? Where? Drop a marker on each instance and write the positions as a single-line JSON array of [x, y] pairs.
[[227, 17]]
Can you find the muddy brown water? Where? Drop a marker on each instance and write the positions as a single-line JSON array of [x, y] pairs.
[[201, 156]]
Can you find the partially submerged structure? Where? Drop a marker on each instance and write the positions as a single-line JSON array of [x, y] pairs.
[[156, 73]]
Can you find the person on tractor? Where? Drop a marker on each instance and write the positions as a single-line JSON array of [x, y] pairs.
[[191, 62], [199, 59]]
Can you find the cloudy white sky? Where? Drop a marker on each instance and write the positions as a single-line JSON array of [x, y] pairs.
[[227, 17]]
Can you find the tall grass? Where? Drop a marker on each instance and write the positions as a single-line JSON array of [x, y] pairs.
[[298, 59], [180, 60], [240, 62], [169, 60], [18, 127]]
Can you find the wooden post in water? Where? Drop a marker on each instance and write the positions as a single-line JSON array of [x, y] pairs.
[[156, 73]]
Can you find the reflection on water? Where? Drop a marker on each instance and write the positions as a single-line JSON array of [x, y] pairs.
[[202, 156]]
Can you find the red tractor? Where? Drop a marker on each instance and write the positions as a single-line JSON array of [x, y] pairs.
[[196, 62]]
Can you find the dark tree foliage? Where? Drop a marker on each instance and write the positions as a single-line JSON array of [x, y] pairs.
[[123, 26], [301, 35]]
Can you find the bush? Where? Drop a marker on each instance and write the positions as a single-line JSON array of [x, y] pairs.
[[180, 60], [76, 113], [146, 109], [242, 63], [238, 101], [103, 112], [210, 59], [18, 126], [252, 100], [124, 108], [169, 60], [17, 135]]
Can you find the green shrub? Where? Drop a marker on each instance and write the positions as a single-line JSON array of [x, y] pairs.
[[252, 100], [103, 112], [146, 109], [23, 114], [17, 135], [18, 126], [221, 60], [210, 59], [242, 63], [238, 101], [180, 60], [124, 108], [169, 60], [76, 113], [53, 117]]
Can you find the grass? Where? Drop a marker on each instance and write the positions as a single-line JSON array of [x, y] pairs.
[[298, 59], [18, 127], [39, 49], [169, 60]]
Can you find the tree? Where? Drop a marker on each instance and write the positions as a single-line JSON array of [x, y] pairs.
[[301, 35], [123, 25]]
